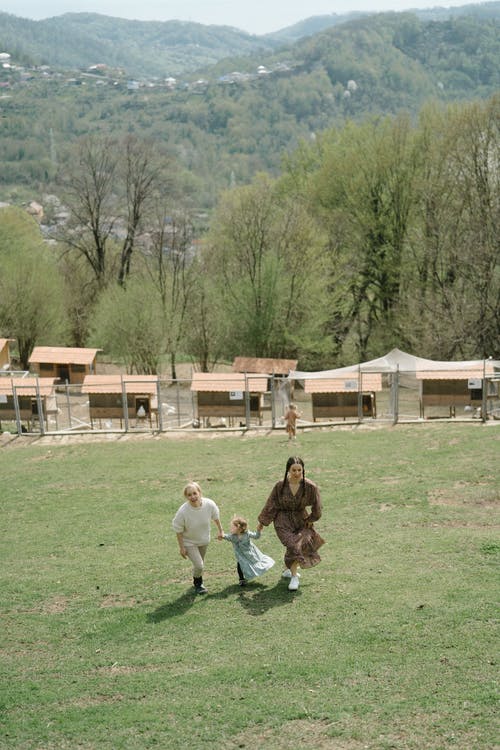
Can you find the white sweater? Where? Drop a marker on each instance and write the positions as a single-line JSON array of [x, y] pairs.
[[194, 523]]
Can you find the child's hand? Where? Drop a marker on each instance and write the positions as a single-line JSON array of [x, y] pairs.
[[220, 536]]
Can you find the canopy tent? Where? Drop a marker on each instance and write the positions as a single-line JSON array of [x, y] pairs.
[[396, 360]]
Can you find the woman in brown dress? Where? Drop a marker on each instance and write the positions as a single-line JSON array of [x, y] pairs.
[[286, 508]]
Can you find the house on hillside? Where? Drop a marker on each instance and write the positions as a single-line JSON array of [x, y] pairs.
[[67, 364]]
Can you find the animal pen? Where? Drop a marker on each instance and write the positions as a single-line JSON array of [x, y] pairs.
[[391, 389]]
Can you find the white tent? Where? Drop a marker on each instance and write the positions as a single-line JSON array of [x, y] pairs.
[[398, 361]]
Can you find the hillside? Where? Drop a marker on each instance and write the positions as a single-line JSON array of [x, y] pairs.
[[242, 115], [172, 48], [140, 48]]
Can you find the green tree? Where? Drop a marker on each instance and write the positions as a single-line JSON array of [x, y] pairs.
[[363, 192], [452, 299], [31, 289], [264, 252], [127, 323]]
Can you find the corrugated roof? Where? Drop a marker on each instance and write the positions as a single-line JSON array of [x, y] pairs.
[[26, 386], [465, 374], [369, 382], [116, 383], [225, 382], [264, 365], [63, 355]]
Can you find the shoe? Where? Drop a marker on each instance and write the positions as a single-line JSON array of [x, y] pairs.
[[294, 583], [198, 586], [288, 574], [243, 582]]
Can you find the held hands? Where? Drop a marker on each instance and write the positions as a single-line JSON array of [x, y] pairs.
[[260, 527]]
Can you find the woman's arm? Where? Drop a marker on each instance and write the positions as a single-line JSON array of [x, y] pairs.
[[180, 540]]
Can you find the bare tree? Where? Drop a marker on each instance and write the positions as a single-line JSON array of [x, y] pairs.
[[169, 263], [110, 191]]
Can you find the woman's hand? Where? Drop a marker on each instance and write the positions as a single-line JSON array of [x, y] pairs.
[[260, 527], [183, 553]]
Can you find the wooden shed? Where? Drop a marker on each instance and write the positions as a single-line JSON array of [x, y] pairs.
[[108, 394], [65, 363], [20, 398], [225, 395], [339, 397], [454, 388], [5, 353]]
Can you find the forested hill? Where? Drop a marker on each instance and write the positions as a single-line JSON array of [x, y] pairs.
[[140, 48], [242, 115], [170, 48]]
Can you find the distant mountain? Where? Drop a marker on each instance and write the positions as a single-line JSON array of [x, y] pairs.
[[141, 48], [149, 49], [228, 121]]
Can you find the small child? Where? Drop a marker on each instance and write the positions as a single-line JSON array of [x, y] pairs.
[[251, 562], [291, 417], [192, 526]]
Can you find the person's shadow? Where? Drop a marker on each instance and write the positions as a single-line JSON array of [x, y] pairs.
[[173, 609], [256, 599]]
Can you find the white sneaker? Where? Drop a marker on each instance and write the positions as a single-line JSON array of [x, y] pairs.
[[288, 573], [294, 583]]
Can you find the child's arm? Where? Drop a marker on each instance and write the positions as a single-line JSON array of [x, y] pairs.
[[180, 540], [254, 534]]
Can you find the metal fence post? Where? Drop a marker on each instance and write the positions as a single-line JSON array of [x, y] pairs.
[[395, 396], [124, 405], [17, 410], [360, 395], [41, 416], [159, 410], [247, 403]]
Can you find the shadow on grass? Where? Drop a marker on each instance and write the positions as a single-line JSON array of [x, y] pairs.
[[256, 599], [173, 609]]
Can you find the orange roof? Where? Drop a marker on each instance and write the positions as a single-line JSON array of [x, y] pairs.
[[472, 372], [226, 381], [115, 383], [371, 381], [4, 343], [26, 386], [63, 355], [264, 365]]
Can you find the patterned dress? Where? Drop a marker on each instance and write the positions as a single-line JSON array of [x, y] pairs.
[[293, 524], [252, 561]]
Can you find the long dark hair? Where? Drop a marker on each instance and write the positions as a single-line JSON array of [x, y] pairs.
[[291, 461]]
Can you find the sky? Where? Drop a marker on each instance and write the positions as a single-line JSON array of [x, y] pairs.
[[253, 16]]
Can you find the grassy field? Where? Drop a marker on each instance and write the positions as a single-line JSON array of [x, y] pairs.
[[391, 642]]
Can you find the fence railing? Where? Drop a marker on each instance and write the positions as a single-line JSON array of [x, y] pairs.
[[172, 405]]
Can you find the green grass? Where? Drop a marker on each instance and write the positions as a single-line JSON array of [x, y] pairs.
[[390, 643]]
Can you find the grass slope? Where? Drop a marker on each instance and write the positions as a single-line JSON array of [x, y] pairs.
[[389, 643]]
